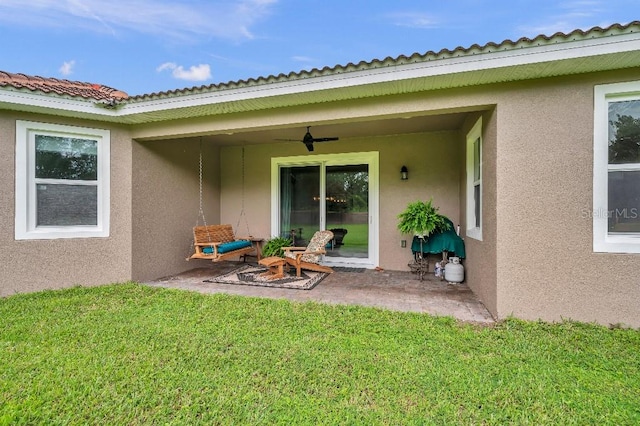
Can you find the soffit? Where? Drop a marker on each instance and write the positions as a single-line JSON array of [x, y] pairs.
[[396, 87], [364, 128]]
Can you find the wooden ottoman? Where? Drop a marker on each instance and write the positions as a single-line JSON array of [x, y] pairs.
[[275, 265]]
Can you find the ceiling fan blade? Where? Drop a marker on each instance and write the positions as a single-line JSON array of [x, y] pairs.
[[308, 140], [325, 139]]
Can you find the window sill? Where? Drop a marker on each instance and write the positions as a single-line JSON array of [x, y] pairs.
[[629, 244], [59, 233], [475, 233]]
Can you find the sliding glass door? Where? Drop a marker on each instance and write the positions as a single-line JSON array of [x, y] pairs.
[[347, 209], [335, 192], [299, 203]]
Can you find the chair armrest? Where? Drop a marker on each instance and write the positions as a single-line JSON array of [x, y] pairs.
[[299, 254], [214, 244], [319, 251], [293, 248]]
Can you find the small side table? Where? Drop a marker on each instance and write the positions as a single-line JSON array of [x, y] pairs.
[[256, 242], [420, 264], [275, 265]]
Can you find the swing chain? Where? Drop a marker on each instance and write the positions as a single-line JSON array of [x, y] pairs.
[[200, 199], [201, 209], [204, 219], [242, 212]]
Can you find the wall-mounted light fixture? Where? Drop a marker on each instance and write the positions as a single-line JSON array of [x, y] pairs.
[[404, 173]]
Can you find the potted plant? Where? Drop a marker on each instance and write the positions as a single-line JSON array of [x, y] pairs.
[[421, 218], [273, 246]]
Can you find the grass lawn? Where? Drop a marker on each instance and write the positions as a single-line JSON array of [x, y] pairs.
[[358, 234], [130, 354]]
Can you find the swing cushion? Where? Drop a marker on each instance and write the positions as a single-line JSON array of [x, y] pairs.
[[228, 247]]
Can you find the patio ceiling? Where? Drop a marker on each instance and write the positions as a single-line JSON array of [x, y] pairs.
[[346, 130]]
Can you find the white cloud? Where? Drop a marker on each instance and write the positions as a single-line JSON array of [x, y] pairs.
[[67, 67], [413, 20], [306, 59], [200, 72], [571, 15], [167, 66], [182, 20]]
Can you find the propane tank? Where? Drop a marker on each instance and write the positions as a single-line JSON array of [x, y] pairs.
[[454, 271]]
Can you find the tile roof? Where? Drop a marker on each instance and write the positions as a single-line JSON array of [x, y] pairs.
[[61, 87], [100, 92], [403, 59]]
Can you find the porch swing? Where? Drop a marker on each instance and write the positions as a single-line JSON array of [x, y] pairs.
[[218, 242]]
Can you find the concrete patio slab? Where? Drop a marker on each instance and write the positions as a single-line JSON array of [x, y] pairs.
[[393, 290]]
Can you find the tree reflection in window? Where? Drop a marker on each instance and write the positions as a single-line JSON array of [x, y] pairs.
[[623, 204], [624, 132], [66, 158], [348, 188]]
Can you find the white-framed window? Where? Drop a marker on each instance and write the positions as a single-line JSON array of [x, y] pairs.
[[62, 181], [474, 181], [616, 168]]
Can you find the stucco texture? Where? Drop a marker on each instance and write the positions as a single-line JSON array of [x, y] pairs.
[[31, 265], [166, 203], [480, 263], [546, 266]]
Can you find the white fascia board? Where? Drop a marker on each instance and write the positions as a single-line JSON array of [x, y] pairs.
[[36, 102], [466, 62], [391, 71]]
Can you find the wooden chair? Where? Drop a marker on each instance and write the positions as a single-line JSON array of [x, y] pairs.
[[217, 242], [309, 257]]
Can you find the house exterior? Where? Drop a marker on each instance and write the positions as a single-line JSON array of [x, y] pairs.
[[530, 146]]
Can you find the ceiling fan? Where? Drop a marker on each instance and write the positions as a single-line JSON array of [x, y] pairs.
[[308, 140]]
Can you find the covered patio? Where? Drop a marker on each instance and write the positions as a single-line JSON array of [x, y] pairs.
[[393, 290]]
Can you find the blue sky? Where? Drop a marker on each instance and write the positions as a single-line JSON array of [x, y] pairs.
[[145, 46]]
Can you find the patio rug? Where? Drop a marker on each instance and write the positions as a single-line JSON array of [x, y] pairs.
[[250, 275]]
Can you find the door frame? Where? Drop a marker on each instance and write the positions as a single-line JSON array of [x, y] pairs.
[[372, 158]]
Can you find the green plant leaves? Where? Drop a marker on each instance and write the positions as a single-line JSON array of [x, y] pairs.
[[273, 247], [422, 218]]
